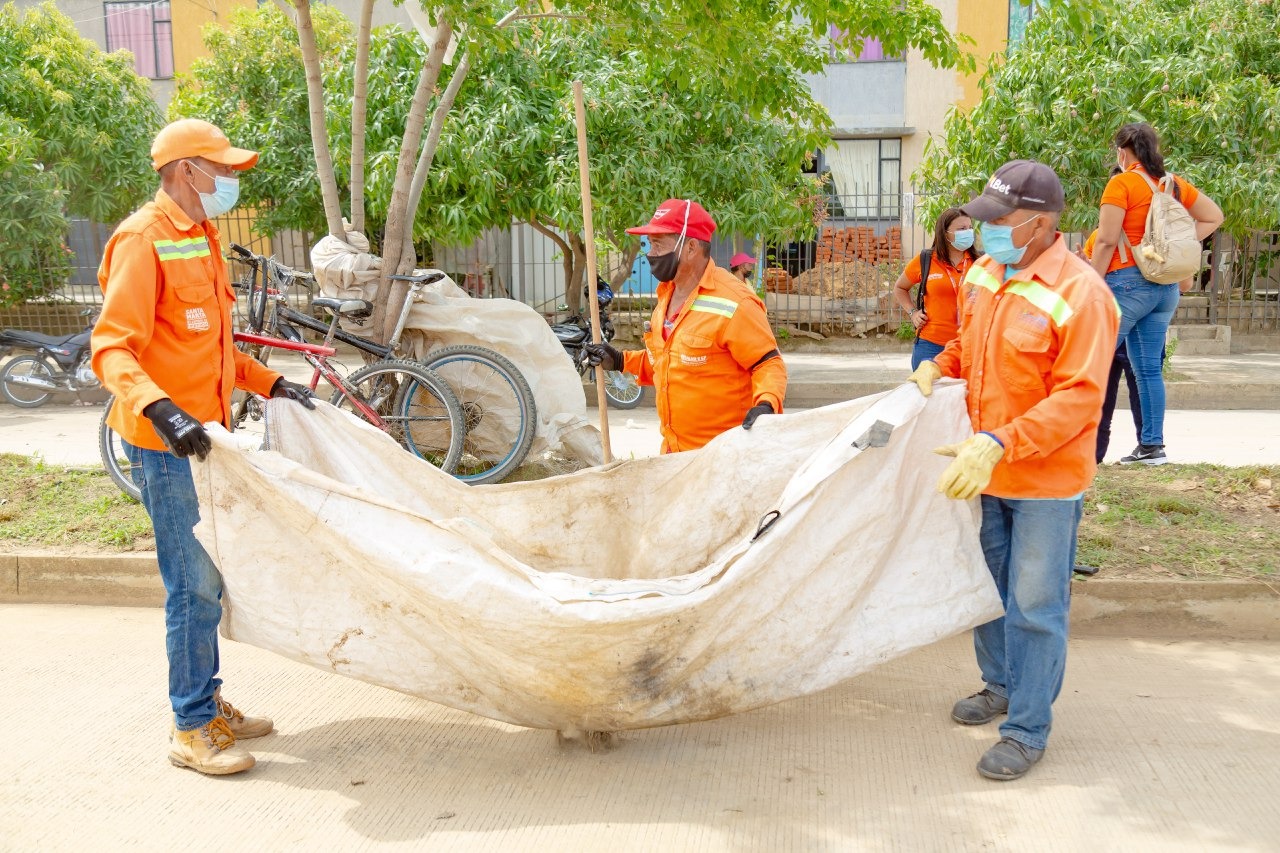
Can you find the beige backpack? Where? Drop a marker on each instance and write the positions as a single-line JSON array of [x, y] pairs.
[[1169, 251]]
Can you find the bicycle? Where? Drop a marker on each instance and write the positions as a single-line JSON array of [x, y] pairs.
[[499, 411], [398, 396]]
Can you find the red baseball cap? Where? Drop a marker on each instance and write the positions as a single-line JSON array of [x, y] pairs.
[[675, 216], [740, 259]]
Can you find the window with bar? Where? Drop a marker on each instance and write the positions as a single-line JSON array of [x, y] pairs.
[[146, 30]]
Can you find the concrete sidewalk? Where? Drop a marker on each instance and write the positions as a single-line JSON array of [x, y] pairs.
[[818, 377], [1168, 745], [1241, 381]]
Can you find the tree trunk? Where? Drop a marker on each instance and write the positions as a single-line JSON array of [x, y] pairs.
[[433, 142], [359, 101], [394, 257], [437, 126], [578, 277], [623, 272], [319, 133]]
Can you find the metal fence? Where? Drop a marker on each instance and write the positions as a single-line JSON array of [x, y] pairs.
[[1243, 284], [839, 282], [72, 298]]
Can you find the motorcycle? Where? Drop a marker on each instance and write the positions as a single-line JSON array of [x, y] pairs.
[[57, 364], [621, 389]]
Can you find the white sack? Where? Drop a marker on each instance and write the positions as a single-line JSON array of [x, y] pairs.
[[613, 598], [445, 315]]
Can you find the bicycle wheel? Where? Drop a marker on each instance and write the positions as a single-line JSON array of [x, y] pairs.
[[622, 389], [114, 458], [417, 408], [17, 379], [497, 407]]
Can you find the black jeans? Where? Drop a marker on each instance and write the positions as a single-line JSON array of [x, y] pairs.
[[1119, 364]]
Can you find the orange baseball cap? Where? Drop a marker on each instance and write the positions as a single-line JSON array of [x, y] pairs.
[[191, 137]]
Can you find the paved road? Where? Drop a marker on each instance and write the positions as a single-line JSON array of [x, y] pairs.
[[68, 434], [1158, 745]]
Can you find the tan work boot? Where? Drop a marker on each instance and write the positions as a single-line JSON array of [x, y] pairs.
[[241, 726], [210, 749]]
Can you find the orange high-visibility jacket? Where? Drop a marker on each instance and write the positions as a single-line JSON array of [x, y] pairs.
[[709, 371], [165, 328], [1036, 351]]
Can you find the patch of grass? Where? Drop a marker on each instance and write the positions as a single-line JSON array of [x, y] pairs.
[[52, 506], [1182, 521]]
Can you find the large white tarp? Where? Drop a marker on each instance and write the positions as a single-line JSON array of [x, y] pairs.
[[633, 595]]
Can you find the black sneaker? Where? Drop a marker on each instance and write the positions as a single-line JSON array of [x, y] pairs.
[[1147, 454]]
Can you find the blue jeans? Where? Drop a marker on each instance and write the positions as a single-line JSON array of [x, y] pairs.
[[192, 584], [1030, 546], [1145, 312], [924, 351]]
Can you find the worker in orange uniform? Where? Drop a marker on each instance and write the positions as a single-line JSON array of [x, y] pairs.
[[743, 267], [163, 346], [709, 351], [1037, 331]]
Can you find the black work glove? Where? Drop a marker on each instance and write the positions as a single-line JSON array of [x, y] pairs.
[[181, 433], [756, 411], [293, 391], [603, 355]]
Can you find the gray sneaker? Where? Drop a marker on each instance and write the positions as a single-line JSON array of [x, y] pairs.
[[979, 708], [1009, 759]]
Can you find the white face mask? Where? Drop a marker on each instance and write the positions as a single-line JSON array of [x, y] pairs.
[[226, 192]]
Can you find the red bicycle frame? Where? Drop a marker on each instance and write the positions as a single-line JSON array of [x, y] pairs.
[[317, 356]]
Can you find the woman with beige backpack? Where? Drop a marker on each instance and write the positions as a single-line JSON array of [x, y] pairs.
[[1149, 230]]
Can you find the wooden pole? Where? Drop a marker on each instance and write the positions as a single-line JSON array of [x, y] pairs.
[[580, 114]]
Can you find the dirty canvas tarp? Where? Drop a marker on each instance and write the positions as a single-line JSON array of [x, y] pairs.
[[445, 315], [614, 598]]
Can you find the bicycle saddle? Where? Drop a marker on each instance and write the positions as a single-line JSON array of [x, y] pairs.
[[356, 309]]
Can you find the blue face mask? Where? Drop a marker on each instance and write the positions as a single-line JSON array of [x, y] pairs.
[[963, 239], [226, 192], [998, 241]]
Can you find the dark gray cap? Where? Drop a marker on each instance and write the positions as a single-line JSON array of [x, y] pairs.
[[1018, 184]]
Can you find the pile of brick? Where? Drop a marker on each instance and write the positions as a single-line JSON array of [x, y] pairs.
[[841, 280], [778, 280], [859, 244]]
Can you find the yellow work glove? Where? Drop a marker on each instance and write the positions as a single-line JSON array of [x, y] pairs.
[[924, 376], [969, 474]]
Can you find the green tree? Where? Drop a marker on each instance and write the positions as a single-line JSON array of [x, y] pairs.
[[1204, 73], [691, 39], [508, 151], [76, 126]]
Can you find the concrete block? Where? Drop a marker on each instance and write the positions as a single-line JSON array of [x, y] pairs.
[[124, 579], [8, 577], [1201, 339]]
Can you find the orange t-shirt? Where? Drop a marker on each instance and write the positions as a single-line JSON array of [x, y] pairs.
[[941, 296], [1130, 192]]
